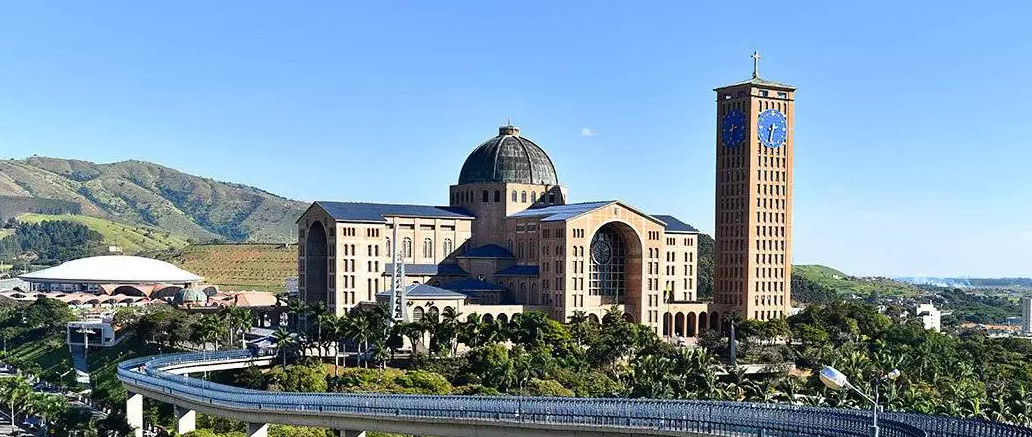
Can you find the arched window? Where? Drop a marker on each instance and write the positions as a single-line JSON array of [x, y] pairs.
[[448, 247], [388, 246], [484, 196], [523, 197], [533, 196], [406, 247], [417, 314], [498, 196], [428, 248], [513, 195]]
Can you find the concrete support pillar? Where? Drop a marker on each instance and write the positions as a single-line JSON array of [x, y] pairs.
[[351, 433], [134, 413], [257, 430], [186, 420]]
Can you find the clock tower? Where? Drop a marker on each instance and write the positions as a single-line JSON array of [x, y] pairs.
[[753, 265]]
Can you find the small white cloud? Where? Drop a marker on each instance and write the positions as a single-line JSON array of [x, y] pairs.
[[588, 132]]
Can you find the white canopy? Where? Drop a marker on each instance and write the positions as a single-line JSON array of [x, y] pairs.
[[114, 269]]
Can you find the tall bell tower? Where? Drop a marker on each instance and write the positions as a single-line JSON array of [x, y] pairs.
[[753, 266]]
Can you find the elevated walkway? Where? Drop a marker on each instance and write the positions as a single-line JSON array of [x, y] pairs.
[[163, 378]]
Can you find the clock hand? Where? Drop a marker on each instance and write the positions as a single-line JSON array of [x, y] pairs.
[[770, 137]]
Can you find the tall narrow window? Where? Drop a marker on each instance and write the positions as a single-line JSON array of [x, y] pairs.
[[448, 247], [406, 247], [498, 196], [533, 196], [484, 197], [428, 248], [523, 197], [513, 195], [388, 247]]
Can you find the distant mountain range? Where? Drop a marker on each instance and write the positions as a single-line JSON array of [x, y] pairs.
[[969, 282], [142, 193]]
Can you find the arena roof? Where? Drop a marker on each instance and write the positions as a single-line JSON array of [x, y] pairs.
[[114, 269]]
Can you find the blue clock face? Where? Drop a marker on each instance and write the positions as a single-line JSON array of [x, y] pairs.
[[733, 129], [772, 128]]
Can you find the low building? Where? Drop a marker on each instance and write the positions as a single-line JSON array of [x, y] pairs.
[[930, 316], [91, 333], [114, 274]]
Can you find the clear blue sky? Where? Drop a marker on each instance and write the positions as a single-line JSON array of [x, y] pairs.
[[912, 123]]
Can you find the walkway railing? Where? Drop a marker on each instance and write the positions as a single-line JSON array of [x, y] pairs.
[[704, 417]]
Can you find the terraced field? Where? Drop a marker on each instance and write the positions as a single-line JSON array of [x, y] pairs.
[[131, 238], [262, 267]]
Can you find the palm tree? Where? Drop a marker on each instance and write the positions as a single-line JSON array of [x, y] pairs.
[[344, 328], [210, 329], [238, 319], [16, 392], [580, 327], [324, 323], [298, 309], [450, 325], [284, 340]]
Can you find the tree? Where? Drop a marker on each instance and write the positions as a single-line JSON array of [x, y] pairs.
[[210, 329], [16, 393], [297, 309], [285, 341]]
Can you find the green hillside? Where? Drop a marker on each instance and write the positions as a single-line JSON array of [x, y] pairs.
[[146, 194], [811, 283], [131, 238]]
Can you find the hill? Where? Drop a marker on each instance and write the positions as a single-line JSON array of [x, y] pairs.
[[131, 238], [813, 283], [142, 193], [262, 267]]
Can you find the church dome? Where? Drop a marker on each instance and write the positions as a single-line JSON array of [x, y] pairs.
[[191, 296], [510, 158]]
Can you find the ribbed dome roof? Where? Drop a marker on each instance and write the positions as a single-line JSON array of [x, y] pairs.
[[191, 295], [118, 269], [508, 158]]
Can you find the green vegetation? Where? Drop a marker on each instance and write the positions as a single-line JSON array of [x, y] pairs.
[[131, 238], [49, 242], [816, 283], [262, 267], [142, 193], [975, 308]]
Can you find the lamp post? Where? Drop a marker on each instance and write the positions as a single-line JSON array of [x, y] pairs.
[[836, 380]]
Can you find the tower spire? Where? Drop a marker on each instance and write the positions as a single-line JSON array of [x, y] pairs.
[[756, 64]]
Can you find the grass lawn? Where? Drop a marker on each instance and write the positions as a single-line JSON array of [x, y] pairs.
[[131, 238]]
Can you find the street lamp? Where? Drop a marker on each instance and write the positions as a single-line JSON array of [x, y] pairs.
[[836, 380]]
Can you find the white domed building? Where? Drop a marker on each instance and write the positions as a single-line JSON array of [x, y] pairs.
[[115, 275]]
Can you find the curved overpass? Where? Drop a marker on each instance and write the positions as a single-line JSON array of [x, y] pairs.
[[165, 378]]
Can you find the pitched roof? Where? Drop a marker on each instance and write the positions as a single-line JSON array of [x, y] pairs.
[[377, 212], [446, 269], [423, 290], [487, 251], [675, 226], [758, 81], [519, 270], [561, 212], [473, 284]]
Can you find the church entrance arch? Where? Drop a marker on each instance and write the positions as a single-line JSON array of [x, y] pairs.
[[315, 264], [616, 261]]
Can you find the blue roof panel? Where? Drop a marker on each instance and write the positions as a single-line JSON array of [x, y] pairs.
[[375, 212], [561, 212], [675, 226], [448, 269], [488, 251], [519, 271], [472, 284]]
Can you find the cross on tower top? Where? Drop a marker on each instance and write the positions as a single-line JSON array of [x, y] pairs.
[[756, 64]]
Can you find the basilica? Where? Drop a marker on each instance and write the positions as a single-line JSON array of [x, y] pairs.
[[508, 242]]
